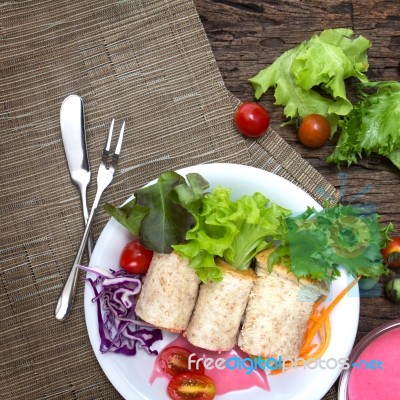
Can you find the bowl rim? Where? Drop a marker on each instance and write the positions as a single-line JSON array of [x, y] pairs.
[[358, 349]]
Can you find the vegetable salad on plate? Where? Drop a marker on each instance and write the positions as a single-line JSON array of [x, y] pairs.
[[212, 257]]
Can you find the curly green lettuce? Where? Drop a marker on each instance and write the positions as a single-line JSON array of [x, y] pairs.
[[232, 230], [319, 243], [309, 79], [373, 126]]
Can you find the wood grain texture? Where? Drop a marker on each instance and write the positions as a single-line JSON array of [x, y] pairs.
[[247, 36]]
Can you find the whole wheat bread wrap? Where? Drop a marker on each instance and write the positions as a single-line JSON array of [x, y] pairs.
[[278, 310], [169, 293], [219, 310]]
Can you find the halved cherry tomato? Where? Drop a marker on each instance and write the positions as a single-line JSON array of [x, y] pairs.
[[174, 360], [391, 253], [135, 258], [314, 131], [252, 119], [189, 386]]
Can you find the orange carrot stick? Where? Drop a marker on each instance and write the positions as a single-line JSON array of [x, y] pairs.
[[326, 312], [307, 351], [325, 344], [319, 324]]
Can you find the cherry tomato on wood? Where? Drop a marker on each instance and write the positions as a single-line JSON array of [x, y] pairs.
[[391, 253], [135, 258], [190, 386], [314, 131], [252, 119], [174, 360]]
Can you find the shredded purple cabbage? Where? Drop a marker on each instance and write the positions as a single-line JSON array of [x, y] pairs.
[[118, 323]]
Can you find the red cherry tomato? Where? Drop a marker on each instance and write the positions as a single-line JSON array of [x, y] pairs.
[[314, 131], [391, 253], [190, 386], [251, 119], [174, 360], [135, 258]]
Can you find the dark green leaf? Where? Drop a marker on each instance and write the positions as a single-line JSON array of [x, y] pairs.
[[130, 215], [190, 196], [158, 214], [166, 222]]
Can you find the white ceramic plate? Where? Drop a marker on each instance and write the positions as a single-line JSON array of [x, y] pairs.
[[130, 375]]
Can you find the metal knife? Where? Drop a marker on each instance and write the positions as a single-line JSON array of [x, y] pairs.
[[72, 123]]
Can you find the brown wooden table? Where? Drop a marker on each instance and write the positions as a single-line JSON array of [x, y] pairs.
[[247, 36]]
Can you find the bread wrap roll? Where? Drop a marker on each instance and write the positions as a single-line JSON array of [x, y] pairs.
[[278, 310], [219, 310], [169, 293]]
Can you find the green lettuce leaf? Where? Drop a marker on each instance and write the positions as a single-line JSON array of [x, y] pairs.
[[373, 126], [129, 215], [318, 243], [161, 214], [190, 196], [309, 79], [232, 230]]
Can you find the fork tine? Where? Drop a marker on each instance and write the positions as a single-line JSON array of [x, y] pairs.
[[106, 150], [121, 135], [108, 144], [119, 143]]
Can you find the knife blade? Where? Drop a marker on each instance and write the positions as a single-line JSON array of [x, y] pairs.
[[72, 123]]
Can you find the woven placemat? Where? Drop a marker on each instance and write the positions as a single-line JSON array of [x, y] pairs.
[[148, 62]]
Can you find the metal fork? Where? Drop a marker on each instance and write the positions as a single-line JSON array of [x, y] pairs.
[[104, 178]]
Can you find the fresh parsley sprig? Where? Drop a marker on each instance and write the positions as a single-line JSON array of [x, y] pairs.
[[318, 243]]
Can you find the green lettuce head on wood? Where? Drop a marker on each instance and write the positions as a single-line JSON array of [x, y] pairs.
[[310, 78]]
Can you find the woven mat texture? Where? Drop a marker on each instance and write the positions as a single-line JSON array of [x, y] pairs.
[[148, 62]]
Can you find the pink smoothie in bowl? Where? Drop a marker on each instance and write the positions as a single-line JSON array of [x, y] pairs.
[[374, 366]]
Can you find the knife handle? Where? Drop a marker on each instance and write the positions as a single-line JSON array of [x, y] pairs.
[[66, 299]]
